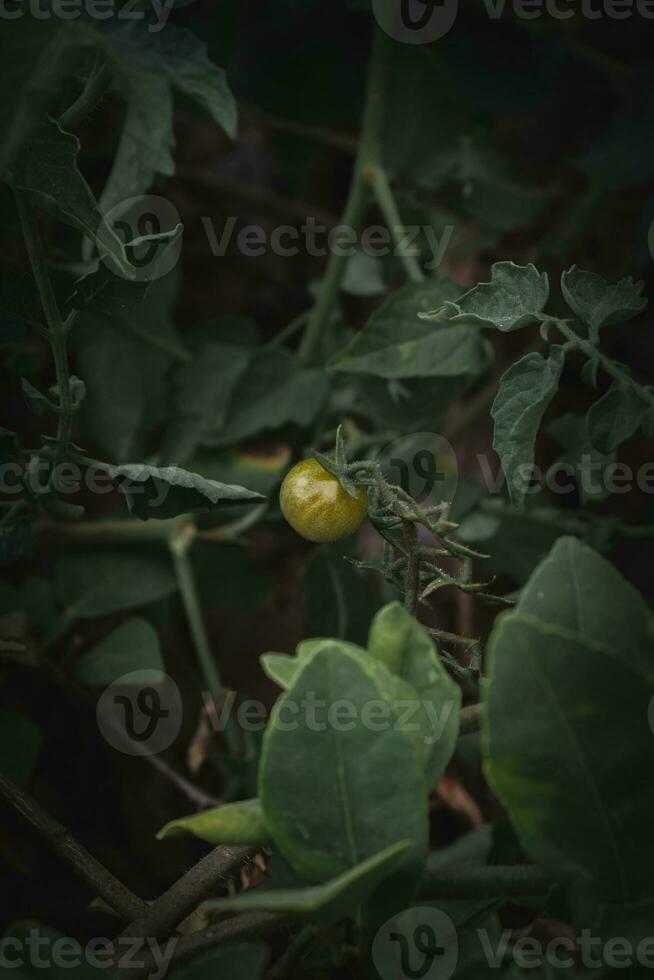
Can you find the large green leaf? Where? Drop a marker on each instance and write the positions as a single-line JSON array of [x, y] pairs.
[[588, 465], [567, 738], [397, 640], [615, 417], [147, 67], [526, 390], [134, 645], [110, 581], [233, 823], [332, 898], [514, 298], [397, 344], [599, 304], [345, 765], [45, 168]]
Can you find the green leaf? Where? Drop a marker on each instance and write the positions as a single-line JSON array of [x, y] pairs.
[[346, 770], [280, 668], [599, 304], [147, 67], [397, 344], [526, 390], [571, 432], [514, 298], [134, 645], [274, 391], [234, 823], [334, 898], [29, 934], [236, 961], [398, 641], [102, 291], [46, 169], [615, 417], [110, 581], [570, 668], [167, 491], [20, 744], [205, 386]]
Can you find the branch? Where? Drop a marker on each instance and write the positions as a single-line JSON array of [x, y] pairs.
[[103, 883], [161, 918]]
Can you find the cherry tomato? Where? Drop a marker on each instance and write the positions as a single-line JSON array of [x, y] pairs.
[[316, 506]]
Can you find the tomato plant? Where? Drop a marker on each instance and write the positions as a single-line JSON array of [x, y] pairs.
[[326, 642]]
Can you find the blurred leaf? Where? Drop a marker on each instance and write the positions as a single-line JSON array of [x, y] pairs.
[[274, 391], [599, 304], [234, 823], [334, 898], [571, 432], [397, 344], [526, 390], [167, 491], [412, 406], [259, 468], [37, 598], [280, 668], [615, 417], [205, 386], [19, 304], [345, 767], [110, 581], [568, 669], [363, 276], [34, 61], [514, 298], [29, 934], [137, 352], [20, 744], [235, 961], [134, 645]]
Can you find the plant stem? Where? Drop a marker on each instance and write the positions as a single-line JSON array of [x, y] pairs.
[[96, 85], [611, 367], [161, 918], [388, 205], [293, 954], [57, 330], [103, 883], [367, 160], [180, 545], [412, 577]]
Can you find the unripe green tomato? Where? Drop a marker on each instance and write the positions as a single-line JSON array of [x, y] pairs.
[[317, 507]]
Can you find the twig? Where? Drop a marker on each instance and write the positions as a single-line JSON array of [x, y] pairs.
[[100, 879], [388, 205], [180, 545], [244, 926], [368, 156], [161, 918], [338, 140], [470, 719]]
